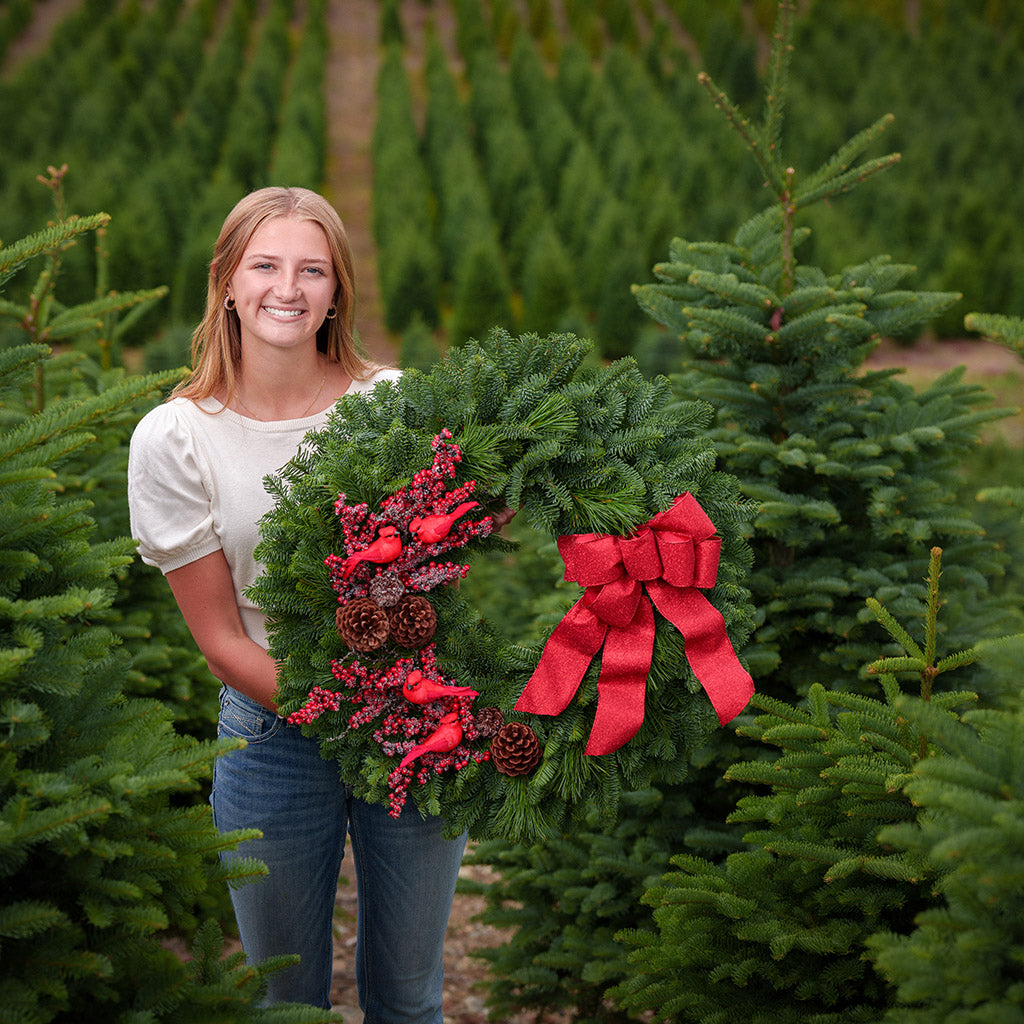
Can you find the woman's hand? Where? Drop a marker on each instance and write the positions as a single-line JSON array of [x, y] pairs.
[[503, 518]]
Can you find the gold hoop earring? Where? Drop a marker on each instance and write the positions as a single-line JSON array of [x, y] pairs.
[[229, 303], [332, 312]]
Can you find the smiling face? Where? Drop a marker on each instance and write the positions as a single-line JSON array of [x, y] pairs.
[[284, 284]]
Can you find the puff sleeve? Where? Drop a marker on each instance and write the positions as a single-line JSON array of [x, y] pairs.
[[169, 491]]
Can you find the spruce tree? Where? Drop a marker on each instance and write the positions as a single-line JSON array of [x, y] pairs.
[[855, 472], [103, 850], [779, 931], [482, 293], [547, 282], [419, 347], [403, 205]]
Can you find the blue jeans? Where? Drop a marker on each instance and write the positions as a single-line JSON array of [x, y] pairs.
[[405, 872]]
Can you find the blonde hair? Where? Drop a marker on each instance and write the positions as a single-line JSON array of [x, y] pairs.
[[217, 342]]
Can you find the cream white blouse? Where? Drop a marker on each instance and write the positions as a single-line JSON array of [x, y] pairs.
[[195, 485]]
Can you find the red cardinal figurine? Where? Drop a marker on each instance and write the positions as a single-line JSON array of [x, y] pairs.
[[444, 738], [386, 548], [423, 691], [432, 529]]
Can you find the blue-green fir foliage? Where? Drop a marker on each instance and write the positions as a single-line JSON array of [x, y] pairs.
[[165, 661], [567, 898], [855, 473]]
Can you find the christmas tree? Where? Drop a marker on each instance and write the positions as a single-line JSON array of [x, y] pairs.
[[165, 662], [855, 473], [779, 931], [104, 850]]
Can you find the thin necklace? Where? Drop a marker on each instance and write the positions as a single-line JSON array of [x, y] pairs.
[[302, 416]]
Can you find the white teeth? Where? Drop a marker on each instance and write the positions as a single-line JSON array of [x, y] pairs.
[[283, 312]]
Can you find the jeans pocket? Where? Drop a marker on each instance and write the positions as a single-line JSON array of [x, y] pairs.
[[242, 718]]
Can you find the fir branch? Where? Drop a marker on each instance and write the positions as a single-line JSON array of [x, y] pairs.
[[49, 240], [835, 178], [749, 134], [778, 76], [61, 417], [897, 632], [16, 358], [1006, 330], [89, 315]]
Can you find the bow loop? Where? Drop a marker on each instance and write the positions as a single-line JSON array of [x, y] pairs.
[[641, 556], [591, 559]]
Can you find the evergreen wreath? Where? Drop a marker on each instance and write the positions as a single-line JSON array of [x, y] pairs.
[[400, 682]]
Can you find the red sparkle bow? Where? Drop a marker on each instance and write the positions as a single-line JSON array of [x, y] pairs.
[[671, 555]]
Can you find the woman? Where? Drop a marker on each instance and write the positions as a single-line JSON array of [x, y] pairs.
[[273, 353]]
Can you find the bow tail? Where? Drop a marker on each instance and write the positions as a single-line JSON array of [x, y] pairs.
[[567, 656], [711, 656], [622, 684]]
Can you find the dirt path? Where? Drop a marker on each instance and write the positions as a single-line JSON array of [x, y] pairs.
[[351, 83], [48, 14]]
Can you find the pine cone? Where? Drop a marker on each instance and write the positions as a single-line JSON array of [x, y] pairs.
[[362, 624], [413, 621], [488, 721], [386, 589], [515, 750]]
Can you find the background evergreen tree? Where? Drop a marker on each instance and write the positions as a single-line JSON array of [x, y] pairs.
[[855, 473], [409, 264], [419, 347], [482, 294], [1009, 331], [547, 282], [102, 852], [391, 30]]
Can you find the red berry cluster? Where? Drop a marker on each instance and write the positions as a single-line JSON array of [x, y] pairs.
[[403, 725], [319, 701], [400, 778], [358, 527], [426, 495], [437, 762]]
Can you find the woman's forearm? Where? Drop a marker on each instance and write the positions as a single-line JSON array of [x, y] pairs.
[[205, 594]]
